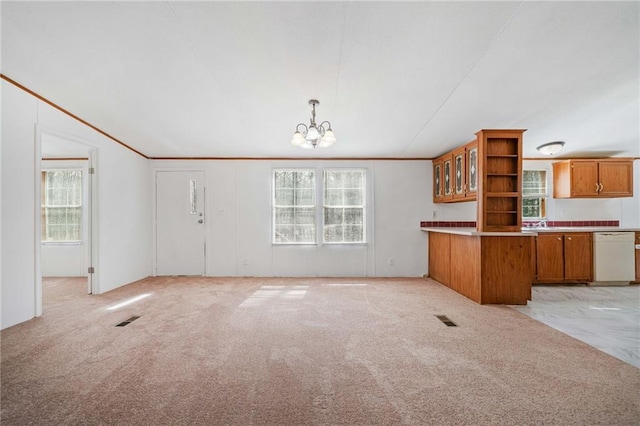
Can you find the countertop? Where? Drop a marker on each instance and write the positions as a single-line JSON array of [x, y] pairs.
[[474, 232], [528, 231]]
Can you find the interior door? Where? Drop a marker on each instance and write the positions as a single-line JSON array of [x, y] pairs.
[[180, 215]]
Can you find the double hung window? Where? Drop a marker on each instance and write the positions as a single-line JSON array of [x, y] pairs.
[[298, 220], [344, 206], [61, 205], [534, 194], [294, 207]]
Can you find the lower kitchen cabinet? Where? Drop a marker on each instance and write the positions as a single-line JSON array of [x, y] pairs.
[[564, 257], [485, 268]]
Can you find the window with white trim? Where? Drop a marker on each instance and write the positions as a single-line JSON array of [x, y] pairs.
[[344, 206], [534, 194], [294, 207], [296, 195], [61, 205]]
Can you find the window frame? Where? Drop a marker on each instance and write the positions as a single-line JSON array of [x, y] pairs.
[[44, 205], [542, 196], [274, 206], [363, 206], [319, 173]]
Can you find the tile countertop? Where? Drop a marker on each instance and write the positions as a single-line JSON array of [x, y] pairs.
[[474, 232], [528, 231]]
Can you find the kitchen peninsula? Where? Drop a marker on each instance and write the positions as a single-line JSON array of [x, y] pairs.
[[491, 263], [486, 267]]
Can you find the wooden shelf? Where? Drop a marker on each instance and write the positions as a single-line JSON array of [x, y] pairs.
[[500, 165], [502, 194]]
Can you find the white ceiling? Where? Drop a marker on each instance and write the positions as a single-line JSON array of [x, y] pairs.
[[395, 79]]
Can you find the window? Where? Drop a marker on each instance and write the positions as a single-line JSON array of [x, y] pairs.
[[61, 205], [344, 202], [294, 207], [534, 194], [296, 218]]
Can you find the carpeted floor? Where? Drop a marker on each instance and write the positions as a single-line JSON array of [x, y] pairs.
[[274, 351]]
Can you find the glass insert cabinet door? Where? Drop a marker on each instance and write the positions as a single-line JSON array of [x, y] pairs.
[[447, 178], [438, 179], [472, 170], [458, 161]]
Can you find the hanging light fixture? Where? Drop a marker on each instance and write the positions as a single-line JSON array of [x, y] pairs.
[[551, 148], [314, 135]]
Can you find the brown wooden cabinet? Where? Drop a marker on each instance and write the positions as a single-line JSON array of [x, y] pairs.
[[447, 177], [486, 269], [459, 173], [471, 153], [438, 188], [592, 178], [564, 257], [455, 175], [500, 183]]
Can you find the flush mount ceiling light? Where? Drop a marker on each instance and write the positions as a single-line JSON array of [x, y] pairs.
[[315, 135], [551, 148]]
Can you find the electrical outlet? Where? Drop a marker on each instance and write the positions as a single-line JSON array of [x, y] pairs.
[[391, 261], [434, 215]]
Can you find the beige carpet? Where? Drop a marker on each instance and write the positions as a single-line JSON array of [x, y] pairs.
[[210, 351]]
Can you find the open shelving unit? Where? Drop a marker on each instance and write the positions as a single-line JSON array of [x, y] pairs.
[[500, 183]]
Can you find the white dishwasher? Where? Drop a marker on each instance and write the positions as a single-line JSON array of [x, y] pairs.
[[613, 258]]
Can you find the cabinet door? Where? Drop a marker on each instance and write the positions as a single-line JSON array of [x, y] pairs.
[[549, 257], [459, 173], [578, 256], [447, 175], [584, 178], [437, 181], [615, 178], [472, 169]]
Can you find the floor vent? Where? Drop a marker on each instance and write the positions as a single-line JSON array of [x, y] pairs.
[[127, 322], [446, 321]]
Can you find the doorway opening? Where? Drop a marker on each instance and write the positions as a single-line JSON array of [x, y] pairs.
[[67, 230]]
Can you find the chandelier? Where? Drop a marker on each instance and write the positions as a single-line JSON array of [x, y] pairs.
[[315, 135]]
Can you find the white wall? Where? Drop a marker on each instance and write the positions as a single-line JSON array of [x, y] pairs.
[[124, 204], [238, 222]]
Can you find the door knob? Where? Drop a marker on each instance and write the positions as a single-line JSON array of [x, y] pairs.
[[200, 221]]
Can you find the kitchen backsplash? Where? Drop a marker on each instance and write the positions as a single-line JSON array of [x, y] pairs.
[[471, 224]]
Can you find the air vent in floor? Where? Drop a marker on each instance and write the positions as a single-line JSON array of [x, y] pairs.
[[127, 322], [446, 321]]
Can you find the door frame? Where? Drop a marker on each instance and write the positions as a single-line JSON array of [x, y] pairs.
[[93, 282], [154, 202]]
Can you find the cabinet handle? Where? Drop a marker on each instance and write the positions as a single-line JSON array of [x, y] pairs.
[[601, 186], [597, 187]]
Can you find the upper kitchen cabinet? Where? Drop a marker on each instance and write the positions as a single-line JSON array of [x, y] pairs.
[[446, 177], [591, 178], [471, 155], [438, 187], [459, 174], [455, 175]]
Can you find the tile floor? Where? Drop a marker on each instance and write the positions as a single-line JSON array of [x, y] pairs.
[[607, 318]]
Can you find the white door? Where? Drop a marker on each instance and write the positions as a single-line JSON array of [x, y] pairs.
[[180, 231]]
